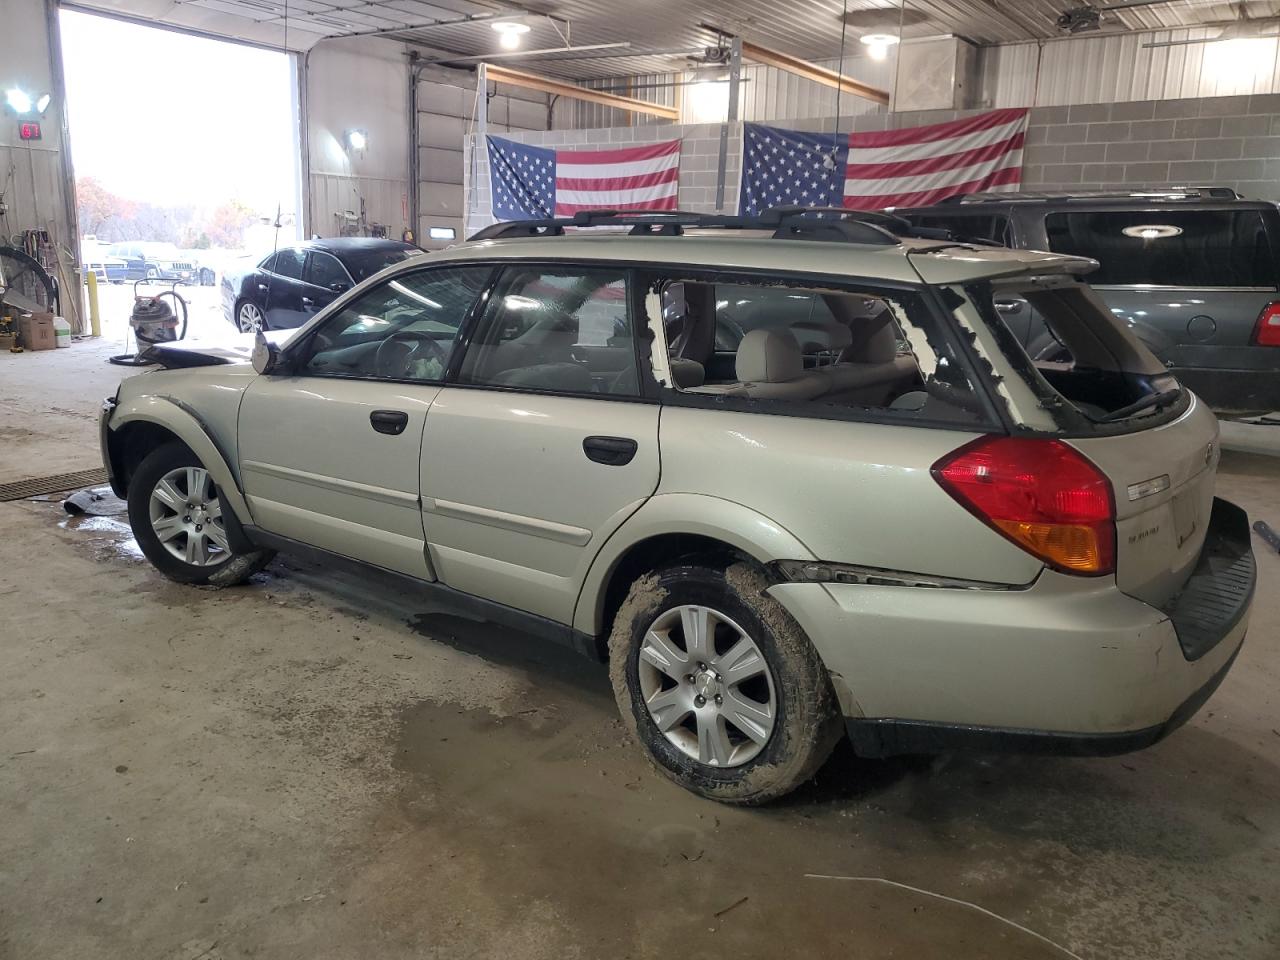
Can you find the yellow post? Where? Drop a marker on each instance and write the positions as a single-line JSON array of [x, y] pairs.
[[95, 325]]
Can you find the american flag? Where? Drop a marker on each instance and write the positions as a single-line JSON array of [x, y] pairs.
[[542, 182], [891, 168]]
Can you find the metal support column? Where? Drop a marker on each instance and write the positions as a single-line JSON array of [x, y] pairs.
[[415, 177], [735, 80]]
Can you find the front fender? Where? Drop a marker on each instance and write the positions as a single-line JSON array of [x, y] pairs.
[[689, 513], [186, 425]]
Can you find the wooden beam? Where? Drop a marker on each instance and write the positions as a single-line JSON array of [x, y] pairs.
[[803, 68], [532, 81]]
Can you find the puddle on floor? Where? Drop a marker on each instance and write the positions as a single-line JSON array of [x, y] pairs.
[[110, 536]]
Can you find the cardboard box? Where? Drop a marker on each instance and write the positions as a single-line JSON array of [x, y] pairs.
[[36, 332]]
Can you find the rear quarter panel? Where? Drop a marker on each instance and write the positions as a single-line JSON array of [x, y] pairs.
[[859, 493]]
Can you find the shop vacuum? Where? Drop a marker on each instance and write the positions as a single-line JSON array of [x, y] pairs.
[[152, 321]]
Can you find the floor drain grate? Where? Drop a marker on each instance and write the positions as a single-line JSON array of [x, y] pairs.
[[39, 486]]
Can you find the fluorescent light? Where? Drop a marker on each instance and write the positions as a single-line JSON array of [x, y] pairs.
[[878, 44], [357, 139], [510, 32], [442, 233], [18, 100], [42, 103]]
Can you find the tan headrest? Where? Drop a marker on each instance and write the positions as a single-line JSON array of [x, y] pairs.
[[769, 356]]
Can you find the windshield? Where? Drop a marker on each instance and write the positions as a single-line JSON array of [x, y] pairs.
[[1075, 363], [366, 263]]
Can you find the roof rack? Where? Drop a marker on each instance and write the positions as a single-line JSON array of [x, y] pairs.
[[836, 224], [1173, 193]]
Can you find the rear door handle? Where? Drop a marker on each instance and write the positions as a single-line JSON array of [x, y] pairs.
[[308, 302], [262, 287], [391, 422], [611, 451], [1010, 306]]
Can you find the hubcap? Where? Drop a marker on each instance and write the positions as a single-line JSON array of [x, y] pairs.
[[250, 318], [186, 516], [707, 686]]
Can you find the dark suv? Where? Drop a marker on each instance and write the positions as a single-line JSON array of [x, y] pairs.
[[1193, 272]]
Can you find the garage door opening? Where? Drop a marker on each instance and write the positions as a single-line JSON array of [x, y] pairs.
[[186, 160]]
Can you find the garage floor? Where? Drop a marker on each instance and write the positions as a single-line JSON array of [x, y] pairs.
[[315, 765]]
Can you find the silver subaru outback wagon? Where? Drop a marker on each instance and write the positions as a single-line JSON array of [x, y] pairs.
[[792, 477]]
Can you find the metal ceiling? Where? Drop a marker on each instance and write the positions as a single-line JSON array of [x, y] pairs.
[[808, 28]]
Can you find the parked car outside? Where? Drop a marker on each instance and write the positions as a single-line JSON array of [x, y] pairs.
[[161, 261], [1195, 274], [874, 514], [286, 288]]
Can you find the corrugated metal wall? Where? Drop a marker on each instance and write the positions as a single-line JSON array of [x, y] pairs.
[[1118, 68]]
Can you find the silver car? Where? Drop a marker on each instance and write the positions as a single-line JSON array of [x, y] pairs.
[[793, 478]]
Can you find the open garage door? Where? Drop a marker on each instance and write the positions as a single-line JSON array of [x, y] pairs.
[[445, 110]]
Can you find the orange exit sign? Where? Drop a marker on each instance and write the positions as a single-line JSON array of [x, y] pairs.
[[29, 130]]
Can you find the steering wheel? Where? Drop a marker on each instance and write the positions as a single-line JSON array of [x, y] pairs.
[[404, 347]]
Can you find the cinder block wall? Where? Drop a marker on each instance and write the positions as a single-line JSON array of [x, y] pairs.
[[1226, 141]]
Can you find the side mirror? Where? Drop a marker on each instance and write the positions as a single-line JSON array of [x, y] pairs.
[[339, 287], [266, 356]]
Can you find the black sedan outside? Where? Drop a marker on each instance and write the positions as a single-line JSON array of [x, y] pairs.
[[285, 289]]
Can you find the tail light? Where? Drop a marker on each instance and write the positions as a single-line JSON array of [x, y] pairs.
[[1043, 495], [1266, 332]]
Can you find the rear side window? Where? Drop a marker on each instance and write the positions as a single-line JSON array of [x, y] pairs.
[[559, 330], [1168, 248], [324, 270]]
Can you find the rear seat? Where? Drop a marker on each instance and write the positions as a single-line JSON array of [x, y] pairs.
[[873, 377], [770, 366]]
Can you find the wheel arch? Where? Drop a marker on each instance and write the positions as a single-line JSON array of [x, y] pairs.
[[670, 527], [138, 426]]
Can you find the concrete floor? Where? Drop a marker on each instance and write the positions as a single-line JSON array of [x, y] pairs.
[[315, 765]]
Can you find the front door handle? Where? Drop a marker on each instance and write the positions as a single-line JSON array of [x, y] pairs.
[[390, 422], [611, 451], [308, 302]]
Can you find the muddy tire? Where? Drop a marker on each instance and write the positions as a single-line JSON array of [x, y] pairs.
[[176, 513], [719, 684]]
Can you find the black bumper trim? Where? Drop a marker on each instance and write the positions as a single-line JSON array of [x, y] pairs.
[[875, 738], [1238, 393]]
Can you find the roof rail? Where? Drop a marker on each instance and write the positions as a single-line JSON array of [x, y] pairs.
[[836, 224], [1173, 193]]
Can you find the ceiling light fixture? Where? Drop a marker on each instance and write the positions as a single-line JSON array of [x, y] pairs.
[[19, 101], [42, 103], [510, 32], [878, 44], [1151, 231], [357, 139]]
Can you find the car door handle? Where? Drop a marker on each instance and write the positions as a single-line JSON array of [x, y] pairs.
[[308, 302], [262, 287], [390, 422], [1009, 306], [611, 451]]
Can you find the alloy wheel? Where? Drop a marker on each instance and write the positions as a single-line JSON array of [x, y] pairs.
[[707, 686], [186, 516], [251, 319]]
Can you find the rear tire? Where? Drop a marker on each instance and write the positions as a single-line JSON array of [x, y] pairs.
[[176, 513], [744, 716]]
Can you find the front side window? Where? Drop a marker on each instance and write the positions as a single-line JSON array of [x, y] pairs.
[[288, 263], [403, 329], [814, 348], [562, 330], [1168, 248]]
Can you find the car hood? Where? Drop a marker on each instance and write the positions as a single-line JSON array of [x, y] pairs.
[[231, 348]]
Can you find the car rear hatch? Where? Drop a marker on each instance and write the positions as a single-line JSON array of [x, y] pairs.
[[1163, 480]]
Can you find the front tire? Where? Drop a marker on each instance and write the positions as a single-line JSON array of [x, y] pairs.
[[719, 684], [177, 516]]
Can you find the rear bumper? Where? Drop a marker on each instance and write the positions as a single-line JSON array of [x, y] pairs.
[[1236, 392], [1067, 665]]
